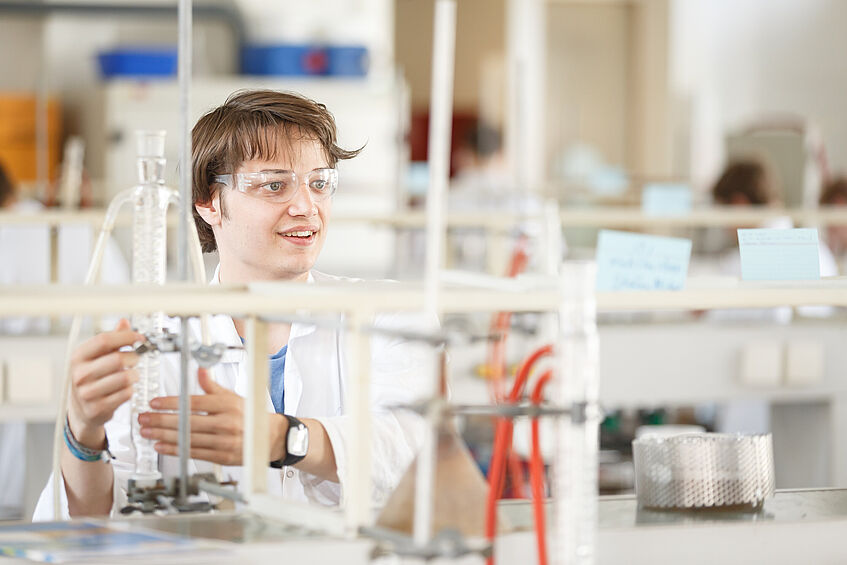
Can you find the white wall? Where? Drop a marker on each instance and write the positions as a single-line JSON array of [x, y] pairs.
[[735, 61]]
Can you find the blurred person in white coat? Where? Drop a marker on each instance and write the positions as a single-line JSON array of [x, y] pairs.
[[749, 183], [263, 176]]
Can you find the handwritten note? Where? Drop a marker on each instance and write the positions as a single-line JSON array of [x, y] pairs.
[[666, 199], [779, 255], [634, 261]]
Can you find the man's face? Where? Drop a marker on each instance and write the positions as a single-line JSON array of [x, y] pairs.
[[262, 240]]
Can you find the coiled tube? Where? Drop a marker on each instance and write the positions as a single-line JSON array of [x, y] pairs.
[[150, 207]]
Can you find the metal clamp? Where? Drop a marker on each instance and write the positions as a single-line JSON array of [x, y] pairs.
[[168, 342]]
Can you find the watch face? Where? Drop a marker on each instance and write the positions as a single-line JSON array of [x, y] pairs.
[[298, 440]]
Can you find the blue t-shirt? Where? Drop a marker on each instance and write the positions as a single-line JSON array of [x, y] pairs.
[[276, 386]]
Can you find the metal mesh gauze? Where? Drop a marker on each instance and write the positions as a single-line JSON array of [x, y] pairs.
[[703, 470]]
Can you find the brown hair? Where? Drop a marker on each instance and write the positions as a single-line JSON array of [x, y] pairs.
[[834, 191], [749, 179], [7, 189], [251, 124]]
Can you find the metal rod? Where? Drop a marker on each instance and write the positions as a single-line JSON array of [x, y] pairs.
[[184, 415], [184, 53], [222, 491], [185, 46]]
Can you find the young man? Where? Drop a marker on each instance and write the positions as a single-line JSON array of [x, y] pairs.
[[263, 177]]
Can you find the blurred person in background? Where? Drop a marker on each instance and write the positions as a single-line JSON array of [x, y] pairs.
[[482, 184], [835, 194], [750, 183]]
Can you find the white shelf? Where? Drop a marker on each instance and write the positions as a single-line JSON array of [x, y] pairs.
[[609, 217], [286, 298], [261, 299]]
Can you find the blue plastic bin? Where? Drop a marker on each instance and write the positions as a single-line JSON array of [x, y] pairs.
[[287, 60], [138, 62], [347, 60]]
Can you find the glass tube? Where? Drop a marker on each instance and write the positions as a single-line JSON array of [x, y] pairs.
[[150, 201], [575, 464]]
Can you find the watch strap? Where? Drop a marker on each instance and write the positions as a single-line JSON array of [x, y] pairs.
[[289, 459]]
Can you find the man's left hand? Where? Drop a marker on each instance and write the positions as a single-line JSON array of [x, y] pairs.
[[217, 424]]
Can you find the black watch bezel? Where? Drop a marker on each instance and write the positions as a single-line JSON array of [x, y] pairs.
[[289, 459]]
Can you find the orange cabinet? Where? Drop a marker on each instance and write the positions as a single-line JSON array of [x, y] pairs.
[[18, 136]]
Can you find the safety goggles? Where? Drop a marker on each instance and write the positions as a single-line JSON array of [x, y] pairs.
[[281, 186]]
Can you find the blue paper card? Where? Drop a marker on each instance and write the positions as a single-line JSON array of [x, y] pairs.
[[779, 255], [666, 199], [634, 261]]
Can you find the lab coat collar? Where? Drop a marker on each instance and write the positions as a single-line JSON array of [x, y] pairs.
[[225, 331]]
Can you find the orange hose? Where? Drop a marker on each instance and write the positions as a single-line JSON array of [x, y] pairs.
[[502, 320], [502, 444], [525, 368], [536, 473]]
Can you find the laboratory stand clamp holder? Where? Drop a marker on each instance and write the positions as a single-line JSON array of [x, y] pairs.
[[163, 495], [168, 342]]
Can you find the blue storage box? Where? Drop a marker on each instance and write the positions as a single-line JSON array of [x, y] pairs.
[[288, 60], [139, 62], [347, 60]]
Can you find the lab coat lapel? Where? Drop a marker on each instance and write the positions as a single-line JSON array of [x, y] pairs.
[[293, 377], [232, 370]]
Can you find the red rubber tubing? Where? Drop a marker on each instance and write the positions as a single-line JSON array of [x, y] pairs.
[[536, 473], [525, 368], [502, 442]]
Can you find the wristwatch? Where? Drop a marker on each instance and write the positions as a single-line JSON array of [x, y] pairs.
[[296, 443]]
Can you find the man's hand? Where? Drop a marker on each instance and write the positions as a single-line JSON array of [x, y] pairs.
[[101, 380], [217, 424]]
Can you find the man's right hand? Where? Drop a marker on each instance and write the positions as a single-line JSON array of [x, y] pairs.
[[102, 379]]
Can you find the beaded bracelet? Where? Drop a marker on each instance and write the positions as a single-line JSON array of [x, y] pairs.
[[85, 453]]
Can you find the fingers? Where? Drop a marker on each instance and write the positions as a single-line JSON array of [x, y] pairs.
[[104, 343], [208, 385], [227, 457], [111, 402], [90, 371], [106, 386], [198, 439], [209, 403], [100, 410], [222, 425], [123, 324]]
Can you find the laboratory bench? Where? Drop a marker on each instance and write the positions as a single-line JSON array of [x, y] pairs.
[[795, 526]]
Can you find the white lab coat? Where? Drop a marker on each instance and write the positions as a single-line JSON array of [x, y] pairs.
[[316, 375]]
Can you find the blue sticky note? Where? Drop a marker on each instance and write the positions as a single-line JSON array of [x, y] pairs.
[[634, 261], [779, 255], [666, 199]]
